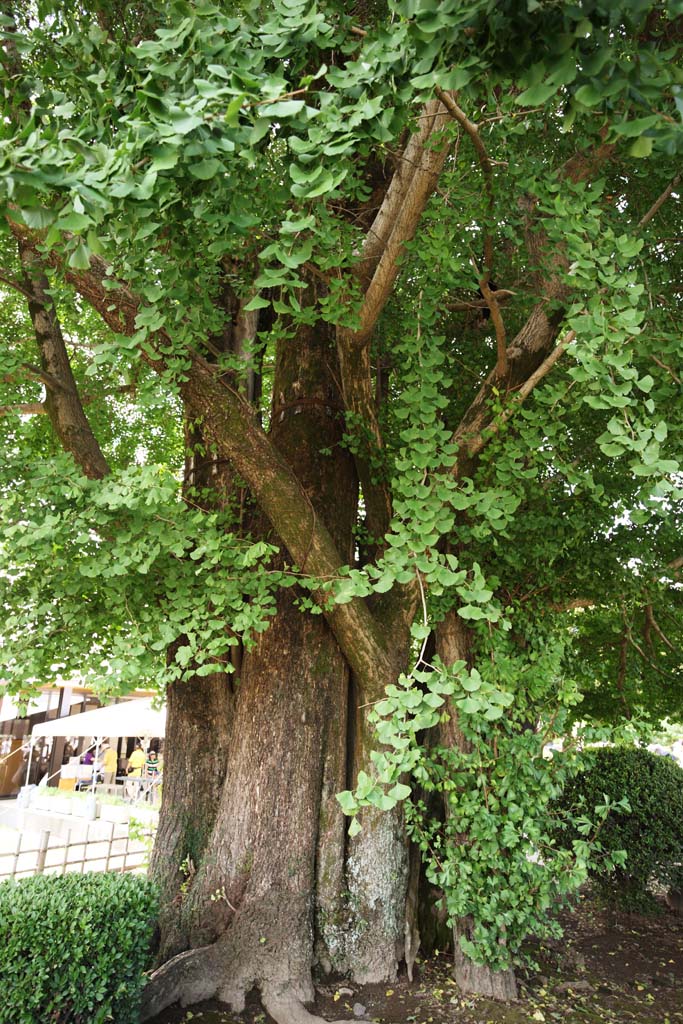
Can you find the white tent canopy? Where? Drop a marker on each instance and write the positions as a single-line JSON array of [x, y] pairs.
[[130, 718]]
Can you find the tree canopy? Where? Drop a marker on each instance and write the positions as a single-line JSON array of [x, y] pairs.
[[233, 148]]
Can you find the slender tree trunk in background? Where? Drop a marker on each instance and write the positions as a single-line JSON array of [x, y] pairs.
[[277, 886], [62, 400], [454, 643]]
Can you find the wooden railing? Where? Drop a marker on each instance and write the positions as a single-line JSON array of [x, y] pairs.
[[57, 855]]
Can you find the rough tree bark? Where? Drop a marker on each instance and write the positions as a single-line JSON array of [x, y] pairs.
[[200, 713], [276, 886]]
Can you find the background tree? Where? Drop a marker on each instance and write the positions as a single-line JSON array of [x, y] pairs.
[[347, 325]]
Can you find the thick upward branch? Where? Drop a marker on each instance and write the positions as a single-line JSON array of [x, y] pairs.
[[229, 423], [378, 267], [399, 217], [408, 177]]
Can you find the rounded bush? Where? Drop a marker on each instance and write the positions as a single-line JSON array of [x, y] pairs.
[[74, 948], [651, 834]]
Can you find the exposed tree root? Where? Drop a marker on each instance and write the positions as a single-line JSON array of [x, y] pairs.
[[286, 1008], [186, 979], [200, 974]]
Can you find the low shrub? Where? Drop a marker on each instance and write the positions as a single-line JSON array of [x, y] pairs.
[[651, 834], [74, 948]]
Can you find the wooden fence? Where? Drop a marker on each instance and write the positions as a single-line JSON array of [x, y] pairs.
[[57, 855]]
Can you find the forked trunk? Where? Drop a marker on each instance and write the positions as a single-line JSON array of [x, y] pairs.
[[277, 888]]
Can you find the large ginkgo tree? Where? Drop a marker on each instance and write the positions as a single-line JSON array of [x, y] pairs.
[[341, 400]]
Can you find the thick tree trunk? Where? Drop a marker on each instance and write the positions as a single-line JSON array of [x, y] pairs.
[[255, 895], [454, 642], [200, 713], [277, 886], [198, 730]]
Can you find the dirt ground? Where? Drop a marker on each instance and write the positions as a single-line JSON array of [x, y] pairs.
[[608, 968]]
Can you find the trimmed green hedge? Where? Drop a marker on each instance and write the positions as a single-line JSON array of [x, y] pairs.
[[73, 949], [651, 835]]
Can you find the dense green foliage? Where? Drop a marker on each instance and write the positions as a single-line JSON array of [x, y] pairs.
[[650, 832], [493, 852], [74, 948], [185, 138], [190, 167]]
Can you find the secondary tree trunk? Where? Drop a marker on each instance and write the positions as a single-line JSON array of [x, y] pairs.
[[454, 642], [199, 716], [199, 719]]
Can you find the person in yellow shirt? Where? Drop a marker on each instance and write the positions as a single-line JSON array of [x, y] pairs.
[[136, 762], [109, 764]]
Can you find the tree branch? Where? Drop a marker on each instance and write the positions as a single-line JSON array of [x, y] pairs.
[[111, 297], [473, 443], [658, 203], [636, 647], [621, 672], [411, 161], [7, 279], [399, 215], [668, 369], [472, 131], [502, 296], [377, 269], [653, 624], [228, 422], [497, 317], [25, 408], [43, 376], [531, 354], [573, 603], [676, 564], [525, 355], [62, 401]]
